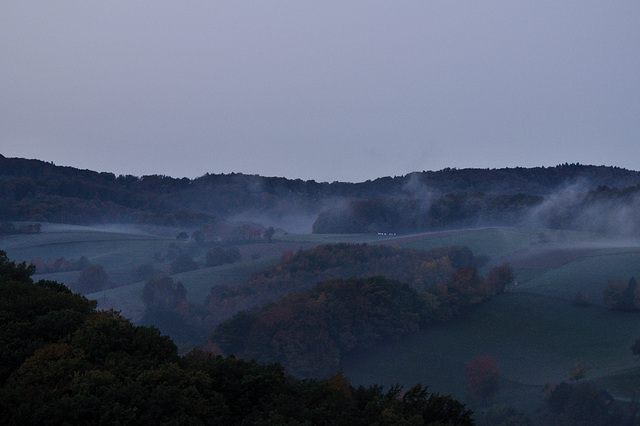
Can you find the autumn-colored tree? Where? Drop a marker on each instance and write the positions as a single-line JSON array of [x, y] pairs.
[[483, 377], [308, 332], [500, 278], [469, 286]]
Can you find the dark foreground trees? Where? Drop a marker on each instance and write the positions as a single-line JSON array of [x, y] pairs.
[[63, 362]]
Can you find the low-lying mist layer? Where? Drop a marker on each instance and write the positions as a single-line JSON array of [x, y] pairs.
[[605, 210]]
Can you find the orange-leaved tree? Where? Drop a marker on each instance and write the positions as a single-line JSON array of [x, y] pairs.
[[483, 377]]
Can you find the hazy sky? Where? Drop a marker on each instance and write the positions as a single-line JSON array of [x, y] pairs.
[[328, 90]]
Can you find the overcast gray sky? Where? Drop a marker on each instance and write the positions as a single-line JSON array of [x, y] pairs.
[[343, 90]]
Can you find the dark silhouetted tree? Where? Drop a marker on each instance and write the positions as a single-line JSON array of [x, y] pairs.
[[162, 293], [183, 263], [221, 256], [10, 270], [268, 233], [143, 272], [93, 278], [500, 278]]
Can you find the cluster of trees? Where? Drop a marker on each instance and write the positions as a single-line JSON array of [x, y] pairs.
[[64, 362], [228, 232], [59, 264], [92, 278], [143, 272], [301, 270], [309, 332], [438, 274], [446, 284], [167, 307], [414, 215], [222, 256], [8, 228], [162, 294], [582, 404], [183, 262], [465, 289]]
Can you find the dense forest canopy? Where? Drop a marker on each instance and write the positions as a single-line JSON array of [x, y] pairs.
[[603, 209], [300, 271], [33, 190]]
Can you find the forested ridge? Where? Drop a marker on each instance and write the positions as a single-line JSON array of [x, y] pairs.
[[603, 209], [34, 190], [412, 215], [64, 362]]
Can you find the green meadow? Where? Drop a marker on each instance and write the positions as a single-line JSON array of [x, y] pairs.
[[535, 339], [534, 331], [110, 249]]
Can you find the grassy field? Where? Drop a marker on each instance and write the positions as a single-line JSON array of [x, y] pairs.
[[587, 274], [110, 249], [535, 340], [333, 238], [493, 242]]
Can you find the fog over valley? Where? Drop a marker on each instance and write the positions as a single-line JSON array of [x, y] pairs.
[[320, 213]]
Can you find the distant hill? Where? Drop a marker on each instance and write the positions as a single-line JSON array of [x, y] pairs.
[[34, 190]]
